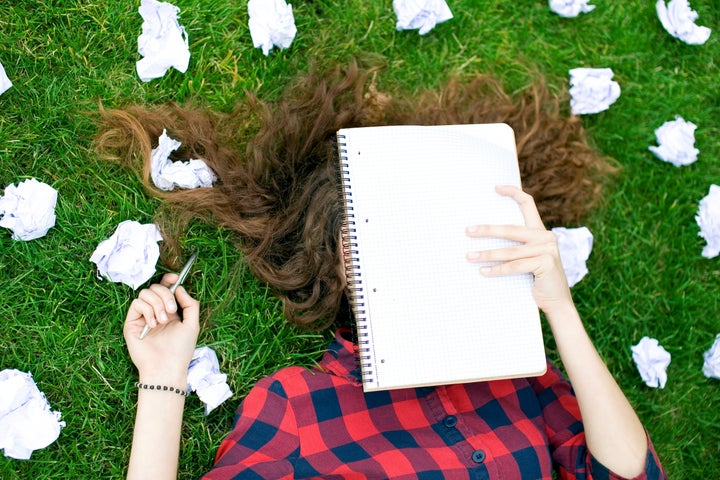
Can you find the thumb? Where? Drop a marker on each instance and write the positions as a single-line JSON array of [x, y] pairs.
[[190, 307]]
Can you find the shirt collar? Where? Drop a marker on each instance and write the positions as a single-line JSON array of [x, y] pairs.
[[340, 358]]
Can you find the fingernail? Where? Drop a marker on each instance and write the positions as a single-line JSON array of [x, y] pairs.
[[473, 255], [472, 229], [485, 270]]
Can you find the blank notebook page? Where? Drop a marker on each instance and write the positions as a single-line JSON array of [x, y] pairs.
[[431, 318]]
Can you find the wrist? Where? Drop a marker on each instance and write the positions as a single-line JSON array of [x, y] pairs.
[[150, 388], [561, 313], [169, 377]]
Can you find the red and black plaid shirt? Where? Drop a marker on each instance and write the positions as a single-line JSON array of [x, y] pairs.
[[301, 423]]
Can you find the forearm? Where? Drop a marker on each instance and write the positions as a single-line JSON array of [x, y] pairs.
[[613, 431], [156, 437]]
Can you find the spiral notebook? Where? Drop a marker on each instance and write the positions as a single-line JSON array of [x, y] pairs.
[[424, 314]]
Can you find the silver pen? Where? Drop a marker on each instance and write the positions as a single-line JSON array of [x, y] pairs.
[[181, 276]]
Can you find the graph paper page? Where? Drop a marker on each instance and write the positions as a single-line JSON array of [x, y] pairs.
[[431, 318]]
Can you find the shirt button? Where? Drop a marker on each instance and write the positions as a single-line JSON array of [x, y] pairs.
[[478, 456], [450, 421]]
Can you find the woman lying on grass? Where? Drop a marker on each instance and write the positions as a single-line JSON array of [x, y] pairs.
[[281, 198]]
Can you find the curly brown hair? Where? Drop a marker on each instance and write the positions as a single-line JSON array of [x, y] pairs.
[[281, 194]]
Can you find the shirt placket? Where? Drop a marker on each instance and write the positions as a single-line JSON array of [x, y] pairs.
[[458, 436]]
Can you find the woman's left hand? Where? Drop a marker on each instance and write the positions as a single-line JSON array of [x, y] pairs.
[[537, 253]]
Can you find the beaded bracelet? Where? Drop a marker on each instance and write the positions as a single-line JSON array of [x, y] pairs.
[[163, 388]]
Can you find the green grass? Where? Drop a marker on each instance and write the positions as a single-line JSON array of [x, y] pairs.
[[64, 325]]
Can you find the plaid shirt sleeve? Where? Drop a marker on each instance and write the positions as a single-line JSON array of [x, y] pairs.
[[264, 442], [563, 425]]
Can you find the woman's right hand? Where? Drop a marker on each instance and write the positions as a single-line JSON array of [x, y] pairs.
[[165, 352], [536, 252]]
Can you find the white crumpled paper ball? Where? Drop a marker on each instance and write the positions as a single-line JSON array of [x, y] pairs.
[[167, 174], [5, 82], [129, 256], [28, 209], [271, 24], [420, 15], [163, 42], [676, 142], [711, 360], [205, 379], [652, 361], [592, 90], [26, 421], [708, 219], [575, 245], [570, 8], [678, 19]]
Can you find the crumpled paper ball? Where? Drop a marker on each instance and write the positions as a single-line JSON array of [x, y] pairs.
[[708, 219], [711, 357], [26, 421], [676, 142], [652, 361], [163, 43], [129, 256], [678, 19], [271, 23], [5, 82], [570, 8], [592, 90], [28, 209], [167, 174], [205, 379], [420, 15], [575, 245]]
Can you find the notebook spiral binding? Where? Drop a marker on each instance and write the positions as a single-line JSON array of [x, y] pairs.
[[353, 275]]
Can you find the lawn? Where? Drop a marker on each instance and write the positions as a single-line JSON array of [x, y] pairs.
[[647, 276]]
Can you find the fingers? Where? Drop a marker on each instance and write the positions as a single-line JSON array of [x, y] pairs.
[[517, 233], [190, 308], [161, 302], [168, 303], [536, 265], [526, 203], [537, 248], [537, 256], [140, 310], [169, 279], [156, 305]]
